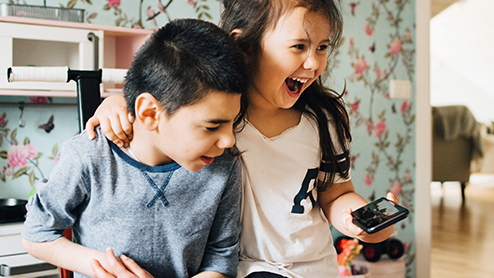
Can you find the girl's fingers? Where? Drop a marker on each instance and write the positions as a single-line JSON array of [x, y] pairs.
[[116, 129], [99, 271], [390, 196], [108, 130], [348, 223], [116, 267], [128, 126], [90, 125], [112, 116], [133, 267]]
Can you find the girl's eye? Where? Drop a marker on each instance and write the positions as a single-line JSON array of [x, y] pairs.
[[212, 129], [299, 46], [323, 47]]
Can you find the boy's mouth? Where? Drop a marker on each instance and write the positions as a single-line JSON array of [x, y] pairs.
[[206, 159], [294, 85]]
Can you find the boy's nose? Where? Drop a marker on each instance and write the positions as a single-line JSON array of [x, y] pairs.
[[227, 140]]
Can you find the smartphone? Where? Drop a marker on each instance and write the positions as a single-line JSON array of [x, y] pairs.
[[378, 215]]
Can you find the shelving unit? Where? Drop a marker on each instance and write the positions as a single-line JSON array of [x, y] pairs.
[[49, 43]]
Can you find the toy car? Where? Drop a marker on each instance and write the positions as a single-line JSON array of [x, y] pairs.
[[372, 251]]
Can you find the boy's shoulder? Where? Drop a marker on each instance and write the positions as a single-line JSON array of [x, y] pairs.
[[82, 144], [82, 137]]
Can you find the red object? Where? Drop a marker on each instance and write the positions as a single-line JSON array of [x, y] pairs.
[[64, 273]]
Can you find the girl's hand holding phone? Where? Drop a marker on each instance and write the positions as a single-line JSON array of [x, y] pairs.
[[375, 235]]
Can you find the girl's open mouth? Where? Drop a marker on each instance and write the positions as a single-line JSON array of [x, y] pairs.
[[295, 85], [207, 160]]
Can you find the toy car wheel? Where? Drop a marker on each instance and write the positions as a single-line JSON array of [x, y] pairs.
[[372, 252], [394, 248]]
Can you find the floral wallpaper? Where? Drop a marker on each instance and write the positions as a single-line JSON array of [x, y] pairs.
[[378, 46], [31, 131]]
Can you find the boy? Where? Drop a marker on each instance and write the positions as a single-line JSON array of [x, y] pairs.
[[171, 201]]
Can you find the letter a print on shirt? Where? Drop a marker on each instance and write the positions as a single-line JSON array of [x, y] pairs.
[[304, 192]]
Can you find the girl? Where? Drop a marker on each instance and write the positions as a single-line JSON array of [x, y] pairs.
[[294, 137]]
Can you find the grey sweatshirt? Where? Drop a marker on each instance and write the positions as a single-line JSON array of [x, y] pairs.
[[171, 221]]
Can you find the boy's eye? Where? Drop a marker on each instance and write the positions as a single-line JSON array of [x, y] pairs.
[[299, 46], [212, 129]]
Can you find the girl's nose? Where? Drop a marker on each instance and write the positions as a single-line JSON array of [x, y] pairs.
[[312, 61]]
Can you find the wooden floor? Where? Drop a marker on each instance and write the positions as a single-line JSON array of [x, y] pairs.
[[463, 233]]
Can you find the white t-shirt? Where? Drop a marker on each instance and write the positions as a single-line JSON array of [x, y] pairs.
[[284, 230]]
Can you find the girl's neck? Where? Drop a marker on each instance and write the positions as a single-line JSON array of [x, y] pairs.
[[272, 122]]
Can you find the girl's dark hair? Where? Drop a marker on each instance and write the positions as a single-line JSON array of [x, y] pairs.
[[184, 61], [323, 105]]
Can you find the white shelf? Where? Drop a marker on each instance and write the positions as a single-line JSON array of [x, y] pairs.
[[51, 43]]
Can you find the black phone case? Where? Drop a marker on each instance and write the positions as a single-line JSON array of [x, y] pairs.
[[370, 229]]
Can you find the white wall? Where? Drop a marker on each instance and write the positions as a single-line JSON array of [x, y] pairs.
[[462, 59], [423, 142]]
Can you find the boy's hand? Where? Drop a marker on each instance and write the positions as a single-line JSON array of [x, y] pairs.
[[357, 232], [114, 119], [122, 267]]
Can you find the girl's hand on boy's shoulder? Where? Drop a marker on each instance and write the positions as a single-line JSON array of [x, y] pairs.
[[114, 119], [122, 267]]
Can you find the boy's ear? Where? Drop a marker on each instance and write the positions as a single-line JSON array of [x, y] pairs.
[[147, 110]]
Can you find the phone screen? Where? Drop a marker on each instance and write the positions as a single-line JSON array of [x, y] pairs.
[[378, 215]]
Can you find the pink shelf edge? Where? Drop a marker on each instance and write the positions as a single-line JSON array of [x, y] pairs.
[[57, 23], [34, 93]]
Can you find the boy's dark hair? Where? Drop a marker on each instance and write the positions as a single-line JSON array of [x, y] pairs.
[[324, 105], [184, 61]]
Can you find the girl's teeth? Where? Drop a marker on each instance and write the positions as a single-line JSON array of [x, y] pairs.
[[300, 80]]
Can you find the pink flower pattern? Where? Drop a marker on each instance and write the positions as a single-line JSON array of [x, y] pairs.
[[395, 47], [379, 128], [404, 107], [354, 106], [17, 156], [38, 100], [368, 30], [9, 171], [408, 36], [112, 3], [55, 160], [32, 151], [396, 188], [360, 66], [368, 180], [378, 73], [369, 127]]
